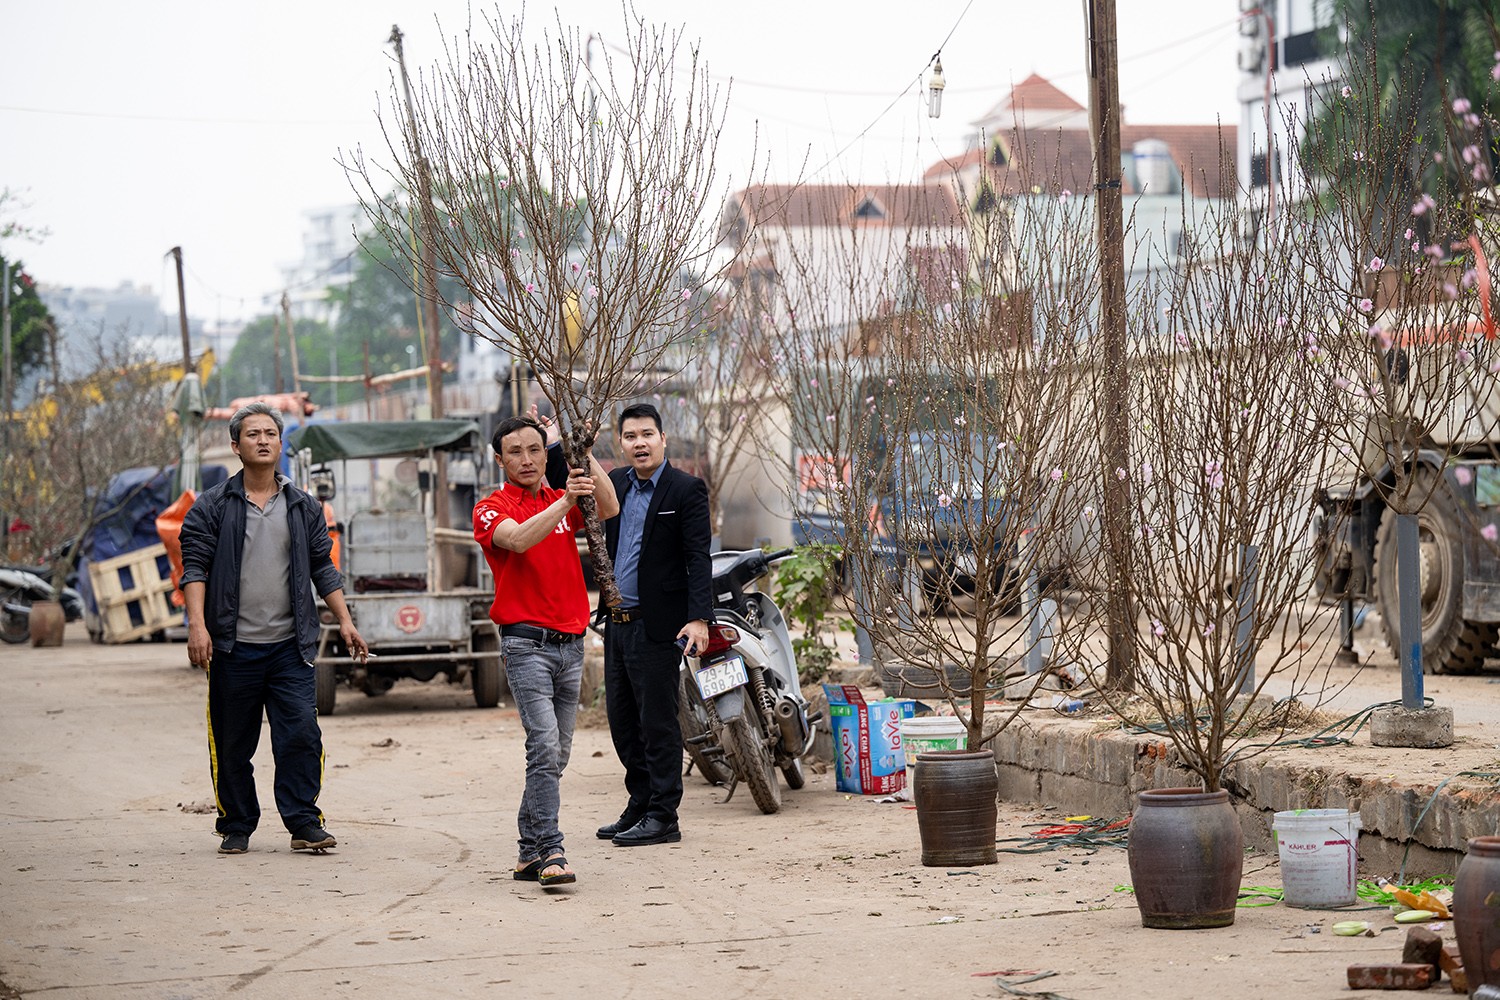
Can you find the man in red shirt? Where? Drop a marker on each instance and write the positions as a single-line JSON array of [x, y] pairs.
[[526, 530]]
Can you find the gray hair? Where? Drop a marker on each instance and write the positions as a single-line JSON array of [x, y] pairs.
[[250, 410]]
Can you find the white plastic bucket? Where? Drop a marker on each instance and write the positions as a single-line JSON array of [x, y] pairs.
[[931, 732], [1318, 849]]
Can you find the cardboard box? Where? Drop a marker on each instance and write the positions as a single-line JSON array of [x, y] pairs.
[[867, 740]]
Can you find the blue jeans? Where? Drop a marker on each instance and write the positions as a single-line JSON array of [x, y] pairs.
[[544, 680], [275, 681]]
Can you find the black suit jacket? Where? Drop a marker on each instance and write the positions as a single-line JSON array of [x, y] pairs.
[[675, 579]]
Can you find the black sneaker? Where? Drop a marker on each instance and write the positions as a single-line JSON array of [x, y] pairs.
[[234, 843], [312, 838]]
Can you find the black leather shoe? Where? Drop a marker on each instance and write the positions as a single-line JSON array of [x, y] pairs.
[[627, 820], [648, 831]]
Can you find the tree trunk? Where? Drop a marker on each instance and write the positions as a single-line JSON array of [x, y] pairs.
[[576, 446]]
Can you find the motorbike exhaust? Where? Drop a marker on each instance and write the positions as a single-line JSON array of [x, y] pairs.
[[789, 719]]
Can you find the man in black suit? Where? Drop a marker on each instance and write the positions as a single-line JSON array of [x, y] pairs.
[[659, 544]]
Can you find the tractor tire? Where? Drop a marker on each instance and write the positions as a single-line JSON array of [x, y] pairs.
[[1450, 644], [326, 684], [487, 676]]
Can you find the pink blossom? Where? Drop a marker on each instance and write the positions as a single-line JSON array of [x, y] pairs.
[[573, 267], [944, 500], [813, 383], [1281, 321], [1495, 72], [830, 418], [1434, 251], [1066, 194], [1208, 630], [1415, 246], [1469, 278], [1470, 153], [1462, 475], [1450, 290], [1489, 532], [687, 293], [1471, 120], [1146, 473], [960, 420], [1408, 235], [1215, 475], [593, 291], [1157, 628], [515, 253], [1182, 339], [1423, 205], [1057, 475], [530, 286], [1464, 355], [1376, 263], [1365, 305], [1120, 474], [890, 382], [1346, 92], [1480, 172], [1461, 106]]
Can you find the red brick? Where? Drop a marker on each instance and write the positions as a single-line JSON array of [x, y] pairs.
[[1454, 967], [1396, 976]]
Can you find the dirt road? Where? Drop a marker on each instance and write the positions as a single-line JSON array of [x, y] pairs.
[[112, 889]]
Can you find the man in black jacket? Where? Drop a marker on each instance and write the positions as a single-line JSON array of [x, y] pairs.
[[253, 550], [659, 544]]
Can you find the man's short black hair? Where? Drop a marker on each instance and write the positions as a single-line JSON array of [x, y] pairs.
[[639, 410], [510, 425]]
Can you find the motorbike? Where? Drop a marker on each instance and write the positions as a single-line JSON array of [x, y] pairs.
[[741, 708], [19, 587]]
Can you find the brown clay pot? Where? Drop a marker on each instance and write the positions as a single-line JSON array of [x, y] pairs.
[[46, 623], [956, 793], [1187, 854], [1476, 912]]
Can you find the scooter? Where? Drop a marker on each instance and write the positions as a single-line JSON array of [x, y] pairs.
[[741, 708], [19, 587]]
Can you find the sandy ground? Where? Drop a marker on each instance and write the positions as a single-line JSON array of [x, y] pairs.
[[111, 886]]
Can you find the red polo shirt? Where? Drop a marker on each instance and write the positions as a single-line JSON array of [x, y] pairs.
[[543, 585]]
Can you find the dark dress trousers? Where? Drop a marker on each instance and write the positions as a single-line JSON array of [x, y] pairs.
[[641, 658]]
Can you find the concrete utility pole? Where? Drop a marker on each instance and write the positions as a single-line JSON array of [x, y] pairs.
[[1104, 121], [429, 303], [276, 351], [190, 393], [7, 390], [291, 340]]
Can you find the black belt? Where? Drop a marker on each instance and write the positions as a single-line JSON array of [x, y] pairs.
[[622, 615], [539, 634]]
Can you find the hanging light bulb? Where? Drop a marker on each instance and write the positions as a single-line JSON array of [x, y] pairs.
[[935, 91]]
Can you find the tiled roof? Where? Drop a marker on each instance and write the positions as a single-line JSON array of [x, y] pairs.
[[1057, 159], [895, 205], [1035, 93]]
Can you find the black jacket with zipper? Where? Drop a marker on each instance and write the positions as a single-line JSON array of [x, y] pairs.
[[213, 540]]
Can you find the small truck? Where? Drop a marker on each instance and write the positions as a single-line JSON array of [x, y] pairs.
[[419, 594]]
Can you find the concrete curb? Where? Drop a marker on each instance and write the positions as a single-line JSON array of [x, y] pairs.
[[1097, 768]]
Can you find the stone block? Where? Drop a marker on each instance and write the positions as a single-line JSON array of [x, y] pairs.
[[1423, 728]]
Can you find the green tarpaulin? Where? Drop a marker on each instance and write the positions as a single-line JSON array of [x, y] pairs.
[[382, 438]]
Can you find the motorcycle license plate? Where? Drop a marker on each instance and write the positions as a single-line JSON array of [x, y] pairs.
[[726, 675]]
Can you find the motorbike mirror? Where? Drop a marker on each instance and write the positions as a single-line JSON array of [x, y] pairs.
[[323, 485]]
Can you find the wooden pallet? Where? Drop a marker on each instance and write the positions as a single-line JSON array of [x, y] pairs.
[[134, 594]]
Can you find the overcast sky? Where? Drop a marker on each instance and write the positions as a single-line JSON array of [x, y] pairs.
[[133, 127]]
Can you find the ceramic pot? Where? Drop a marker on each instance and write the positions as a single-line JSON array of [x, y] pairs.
[[956, 793], [46, 623], [1476, 912], [1187, 854]]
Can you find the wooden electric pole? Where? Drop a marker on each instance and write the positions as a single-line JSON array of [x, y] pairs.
[[190, 393], [427, 282], [1104, 121]]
